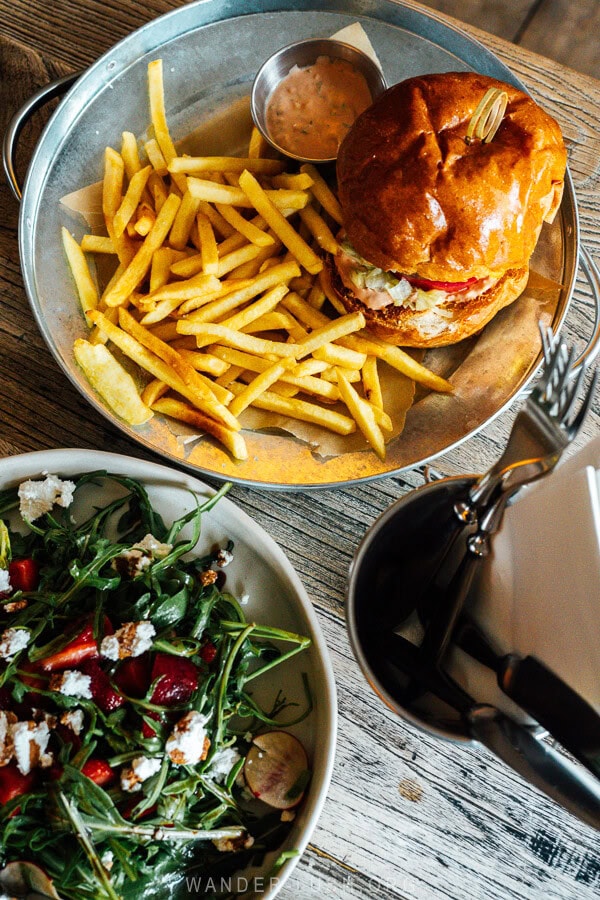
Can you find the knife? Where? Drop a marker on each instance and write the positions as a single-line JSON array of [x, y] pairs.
[[540, 692], [565, 782]]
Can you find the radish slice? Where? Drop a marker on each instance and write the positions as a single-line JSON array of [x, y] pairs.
[[276, 769]]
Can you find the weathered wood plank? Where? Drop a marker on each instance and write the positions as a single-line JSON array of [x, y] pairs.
[[566, 32], [495, 16]]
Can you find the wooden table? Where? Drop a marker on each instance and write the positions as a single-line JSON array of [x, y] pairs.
[[408, 816]]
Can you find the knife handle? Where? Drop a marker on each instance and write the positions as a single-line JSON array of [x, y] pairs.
[[555, 705], [539, 764]]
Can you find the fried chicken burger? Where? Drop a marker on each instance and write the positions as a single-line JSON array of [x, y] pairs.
[[443, 206]]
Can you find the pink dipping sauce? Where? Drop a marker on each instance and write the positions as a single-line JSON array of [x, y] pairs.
[[310, 112]]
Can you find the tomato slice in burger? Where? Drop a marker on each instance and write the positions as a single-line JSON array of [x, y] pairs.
[[451, 287]]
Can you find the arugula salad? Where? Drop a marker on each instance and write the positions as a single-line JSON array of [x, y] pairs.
[[132, 746]]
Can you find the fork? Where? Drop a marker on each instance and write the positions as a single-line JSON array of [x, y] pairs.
[[546, 421], [544, 426]]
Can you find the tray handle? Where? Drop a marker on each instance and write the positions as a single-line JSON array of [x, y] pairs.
[[592, 274], [21, 117]]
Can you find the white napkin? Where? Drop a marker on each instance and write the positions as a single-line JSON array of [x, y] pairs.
[[539, 590]]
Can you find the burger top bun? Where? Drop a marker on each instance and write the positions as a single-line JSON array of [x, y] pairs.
[[418, 199]]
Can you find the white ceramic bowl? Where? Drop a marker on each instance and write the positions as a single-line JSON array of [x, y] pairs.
[[260, 570]]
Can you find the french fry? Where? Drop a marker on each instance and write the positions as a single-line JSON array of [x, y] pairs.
[[362, 414], [258, 386], [305, 411], [323, 193], [114, 384], [191, 165], [97, 243], [153, 391], [183, 222], [300, 182], [212, 192], [319, 229], [160, 267], [203, 362], [231, 338], [131, 199], [331, 332], [257, 145], [87, 290], [371, 382], [139, 265], [130, 154], [232, 440], [282, 228], [247, 229], [159, 119], [156, 157], [209, 253]]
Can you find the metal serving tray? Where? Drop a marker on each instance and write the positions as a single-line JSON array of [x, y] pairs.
[[211, 51]]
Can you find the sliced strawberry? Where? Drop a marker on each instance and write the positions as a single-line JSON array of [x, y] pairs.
[[133, 675], [13, 783], [24, 574], [208, 652], [102, 690], [99, 771], [147, 730], [82, 646], [178, 679]]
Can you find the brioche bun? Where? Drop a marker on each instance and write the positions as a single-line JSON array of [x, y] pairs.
[[417, 199]]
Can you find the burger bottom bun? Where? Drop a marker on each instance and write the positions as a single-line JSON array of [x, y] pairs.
[[439, 326]]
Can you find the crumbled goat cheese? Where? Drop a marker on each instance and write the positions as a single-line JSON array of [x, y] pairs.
[[132, 639], [244, 599], [140, 769], [188, 742], [7, 749], [5, 585], [133, 561], [222, 763], [224, 557], [73, 719], [30, 740], [72, 683], [12, 640], [107, 859], [38, 497], [153, 547]]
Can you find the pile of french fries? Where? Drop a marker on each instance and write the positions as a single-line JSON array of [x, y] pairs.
[[219, 294]]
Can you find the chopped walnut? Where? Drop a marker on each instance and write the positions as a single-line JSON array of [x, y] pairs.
[[287, 815], [208, 577], [14, 606], [7, 720]]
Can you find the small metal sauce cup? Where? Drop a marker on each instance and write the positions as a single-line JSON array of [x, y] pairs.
[[303, 54]]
